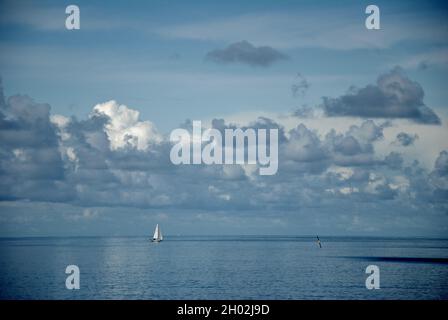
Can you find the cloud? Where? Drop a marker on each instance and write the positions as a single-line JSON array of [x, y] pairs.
[[91, 163], [404, 139], [246, 53], [300, 86], [394, 96], [394, 160], [355, 146], [304, 145], [348, 146], [441, 164], [100, 165], [124, 128], [439, 176], [30, 162]]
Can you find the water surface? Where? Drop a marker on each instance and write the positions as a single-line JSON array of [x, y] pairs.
[[234, 267]]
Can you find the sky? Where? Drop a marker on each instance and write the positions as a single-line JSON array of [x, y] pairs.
[[85, 117]]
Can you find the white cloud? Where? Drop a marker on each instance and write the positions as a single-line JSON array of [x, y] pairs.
[[59, 120], [124, 128], [400, 183], [61, 123], [71, 154], [343, 173], [432, 139]]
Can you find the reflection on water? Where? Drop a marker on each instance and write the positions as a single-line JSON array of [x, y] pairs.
[[233, 267]]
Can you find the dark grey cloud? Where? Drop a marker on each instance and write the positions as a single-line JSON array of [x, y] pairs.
[[25, 123], [404, 139], [393, 96], [246, 53], [30, 162], [355, 147]]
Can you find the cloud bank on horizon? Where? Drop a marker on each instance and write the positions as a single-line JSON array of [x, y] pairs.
[[115, 159], [361, 116]]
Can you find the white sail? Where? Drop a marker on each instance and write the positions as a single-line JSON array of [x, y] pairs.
[[157, 234]]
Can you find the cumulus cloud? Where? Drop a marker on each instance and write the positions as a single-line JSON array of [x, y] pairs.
[[30, 161], [304, 145], [124, 128], [355, 146], [246, 53], [93, 162], [393, 96]]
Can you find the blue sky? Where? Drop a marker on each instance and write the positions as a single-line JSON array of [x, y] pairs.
[[172, 61]]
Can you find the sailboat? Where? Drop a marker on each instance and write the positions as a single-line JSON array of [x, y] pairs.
[[157, 237]]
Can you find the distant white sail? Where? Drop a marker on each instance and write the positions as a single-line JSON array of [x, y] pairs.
[[157, 234]]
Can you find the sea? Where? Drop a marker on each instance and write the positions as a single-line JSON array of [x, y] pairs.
[[224, 267]]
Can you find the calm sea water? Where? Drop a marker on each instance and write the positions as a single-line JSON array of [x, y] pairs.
[[245, 267]]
